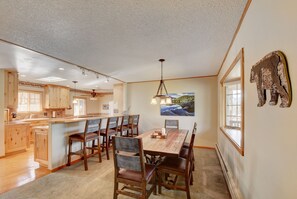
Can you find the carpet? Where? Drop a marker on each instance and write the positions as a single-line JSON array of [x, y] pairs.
[[75, 183]]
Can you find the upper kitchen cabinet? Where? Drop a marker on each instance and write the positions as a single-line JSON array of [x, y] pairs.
[[56, 97], [11, 82]]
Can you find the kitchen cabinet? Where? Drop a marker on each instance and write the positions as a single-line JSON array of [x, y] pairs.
[[16, 137], [56, 97], [34, 123], [11, 85], [41, 145]]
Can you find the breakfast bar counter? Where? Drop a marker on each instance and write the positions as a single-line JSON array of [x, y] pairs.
[[58, 134]]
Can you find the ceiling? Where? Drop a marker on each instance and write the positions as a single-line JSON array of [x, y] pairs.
[[120, 38]]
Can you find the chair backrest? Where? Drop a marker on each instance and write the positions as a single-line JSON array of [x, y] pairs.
[[128, 154], [125, 120], [112, 123], [92, 126], [134, 120], [171, 124]]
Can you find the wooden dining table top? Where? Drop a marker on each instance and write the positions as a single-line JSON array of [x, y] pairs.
[[170, 146]]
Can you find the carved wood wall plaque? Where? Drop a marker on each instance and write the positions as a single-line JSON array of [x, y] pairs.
[[271, 73]]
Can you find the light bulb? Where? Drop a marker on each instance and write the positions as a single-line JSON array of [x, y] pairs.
[[154, 101], [163, 101], [168, 100], [74, 101]]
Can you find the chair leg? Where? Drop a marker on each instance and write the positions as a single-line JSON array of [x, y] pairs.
[[137, 130], [187, 188], [132, 132], [106, 147], [99, 150], [159, 182], [69, 152], [103, 141], [85, 156], [116, 186], [93, 144]]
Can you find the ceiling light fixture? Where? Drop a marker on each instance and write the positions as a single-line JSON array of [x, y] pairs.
[[107, 79], [61, 68], [74, 99], [164, 98]]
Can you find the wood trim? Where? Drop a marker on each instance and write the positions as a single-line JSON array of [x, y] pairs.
[[235, 34], [235, 61], [238, 148], [59, 59], [195, 77], [204, 147], [239, 57]]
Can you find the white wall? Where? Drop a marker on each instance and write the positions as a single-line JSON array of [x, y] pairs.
[[2, 146], [269, 167], [139, 97]]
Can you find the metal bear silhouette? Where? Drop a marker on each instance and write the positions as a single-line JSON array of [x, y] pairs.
[[271, 73]]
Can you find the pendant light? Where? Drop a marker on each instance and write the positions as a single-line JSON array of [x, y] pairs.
[[74, 99], [163, 98]]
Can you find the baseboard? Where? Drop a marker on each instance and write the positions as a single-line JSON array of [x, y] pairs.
[[204, 147], [233, 189]]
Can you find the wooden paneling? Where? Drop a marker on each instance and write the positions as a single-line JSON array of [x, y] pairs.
[[16, 137], [41, 145], [11, 90], [56, 97]]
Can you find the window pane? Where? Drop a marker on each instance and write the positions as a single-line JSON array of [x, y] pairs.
[[233, 105], [80, 107], [29, 101]]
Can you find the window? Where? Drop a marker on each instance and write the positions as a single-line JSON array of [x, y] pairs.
[[233, 103], [29, 101], [79, 107]]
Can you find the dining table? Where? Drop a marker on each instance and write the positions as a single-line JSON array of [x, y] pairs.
[[157, 147]]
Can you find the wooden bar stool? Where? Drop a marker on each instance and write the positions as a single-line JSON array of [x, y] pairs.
[[110, 130], [133, 124], [91, 133], [124, 126]]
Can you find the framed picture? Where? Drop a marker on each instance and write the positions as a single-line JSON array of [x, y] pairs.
[[183, 104], [105, 106]]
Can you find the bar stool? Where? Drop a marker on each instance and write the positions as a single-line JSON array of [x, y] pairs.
[[133, 124], [91, 133], [124, 126], [110, 130]]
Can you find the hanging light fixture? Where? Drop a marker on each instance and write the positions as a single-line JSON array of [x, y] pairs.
[[74, 99], [164, 98]]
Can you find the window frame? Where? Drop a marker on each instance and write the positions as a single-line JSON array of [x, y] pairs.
[[33, 92], [233, 133]]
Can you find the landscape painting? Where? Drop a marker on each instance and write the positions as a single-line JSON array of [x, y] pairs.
[[182, 105]]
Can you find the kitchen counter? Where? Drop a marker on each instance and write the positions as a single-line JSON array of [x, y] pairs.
[[17, 122]]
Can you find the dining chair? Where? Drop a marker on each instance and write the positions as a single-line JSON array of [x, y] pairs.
[[91, 133], [110, 130], [124, 126], [171, 124], [177, 166], [133, 124], [131, 170], [185, 151]]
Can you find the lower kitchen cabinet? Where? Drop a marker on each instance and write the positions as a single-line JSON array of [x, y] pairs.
[[16, 137], [41, 145]]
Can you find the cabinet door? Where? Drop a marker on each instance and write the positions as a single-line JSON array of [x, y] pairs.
[[51, 97], [64, 97], [11, 90], [41, 146], [15, 138]]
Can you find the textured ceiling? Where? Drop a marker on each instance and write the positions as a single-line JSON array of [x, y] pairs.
[[121, 38]]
